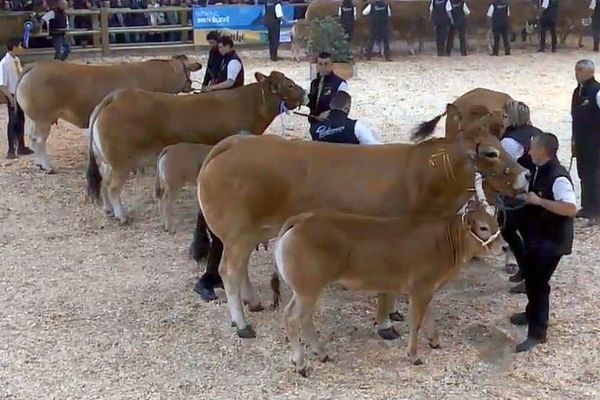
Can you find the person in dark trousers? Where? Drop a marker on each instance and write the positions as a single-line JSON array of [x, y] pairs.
[[214, 58], [323, 88], [57, 27], [338, 128], [273, 16], [549, 12], [548, 233], [380, 13], [499, 14], [231, 71], [516, 142], [595, 7], [585, 141], [460, 13], [10, 72], [347, 14], [441, 16]]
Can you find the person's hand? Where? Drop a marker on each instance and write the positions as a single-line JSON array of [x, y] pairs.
[[323, 116], [533, 199]]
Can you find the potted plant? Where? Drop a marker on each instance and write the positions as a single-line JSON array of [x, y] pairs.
[[327, 35]]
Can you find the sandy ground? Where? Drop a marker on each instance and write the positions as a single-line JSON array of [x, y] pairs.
[[92, 310]]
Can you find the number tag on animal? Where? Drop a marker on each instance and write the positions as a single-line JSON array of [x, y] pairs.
[[586, 21]]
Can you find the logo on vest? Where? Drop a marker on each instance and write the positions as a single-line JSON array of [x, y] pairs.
[[323, 131]]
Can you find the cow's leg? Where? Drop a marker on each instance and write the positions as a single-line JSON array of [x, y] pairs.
[[166, 208], [249, 296], [385, 307], [39, 136], [292, 328], [307, 310], [105, 199], [418, 307], [115, 186], [211, 279], [432, 332], [232, 269]]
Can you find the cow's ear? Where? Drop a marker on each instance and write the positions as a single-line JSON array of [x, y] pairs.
[[260, 77]]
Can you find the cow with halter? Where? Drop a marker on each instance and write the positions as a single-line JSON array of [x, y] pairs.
[[249, 186], [414, 254], [129, 128], [52, 90]]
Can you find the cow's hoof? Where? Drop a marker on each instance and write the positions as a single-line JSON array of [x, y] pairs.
[[246, 333], [256, 308], [396, 317], [388, 334], [206, 293], [324, 358], [435, 345], [417, 361], [109, 213]]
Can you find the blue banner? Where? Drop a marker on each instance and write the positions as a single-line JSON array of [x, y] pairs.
[[245, 23]]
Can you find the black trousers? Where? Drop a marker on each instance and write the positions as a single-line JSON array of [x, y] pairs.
[[379, 37], [501, 32], [273, 33], [15, 128], [544, 28], [462, 37], [588, 169], [596, 32], [511, 235], [62, 48], [441, 38], [539, 267]]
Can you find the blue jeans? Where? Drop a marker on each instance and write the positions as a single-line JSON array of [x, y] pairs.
[[62, 48]]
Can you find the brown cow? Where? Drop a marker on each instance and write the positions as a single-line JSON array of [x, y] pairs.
[[52, 90], [129, 128], [277, 178], [469, 108], [176, 166], [411, 254]]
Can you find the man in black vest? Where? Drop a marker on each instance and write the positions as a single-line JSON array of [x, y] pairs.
[[441, 16], [585, 111], [338, 128], [347, 14], [214, 58], [595, 7], [231, 71], [499, 13], [548, 234], [323, 88], [273, 15], [460, 12], [548, 23], [380, 12]]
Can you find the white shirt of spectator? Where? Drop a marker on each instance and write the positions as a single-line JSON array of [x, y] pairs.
[[233, 70], [593, 4], [364, 134], [278, 11], [513, 148], [343, 87], [367, 10], [355, 15], [448, 6], [490, 12], [545, 4], [10, 71]]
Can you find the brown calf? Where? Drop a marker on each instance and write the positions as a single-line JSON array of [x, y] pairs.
[[176, 166], [415, 255]]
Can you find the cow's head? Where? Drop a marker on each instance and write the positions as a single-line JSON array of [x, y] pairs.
[[483, 228], [501, 173], [184, 69], [282, 87]]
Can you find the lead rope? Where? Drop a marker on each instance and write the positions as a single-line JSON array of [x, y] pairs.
[[282, 110]]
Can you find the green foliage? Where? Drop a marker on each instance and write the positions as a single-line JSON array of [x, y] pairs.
[[327, 35]]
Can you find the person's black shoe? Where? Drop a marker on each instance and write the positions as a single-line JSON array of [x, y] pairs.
[[24, 151], [529, 344], [520, 288], [10, 155], [541, 51], [518, 319], [516, 278]]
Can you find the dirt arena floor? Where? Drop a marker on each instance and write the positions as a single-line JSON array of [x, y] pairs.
[[92, 310]]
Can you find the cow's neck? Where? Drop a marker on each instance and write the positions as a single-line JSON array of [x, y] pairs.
[[270, 104]]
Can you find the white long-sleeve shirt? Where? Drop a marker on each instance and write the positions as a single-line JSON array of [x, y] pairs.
[[545, 4], [278, 11], [448, 6], [593, 4], [367, 10], [355, 15], [364, 134], [490, 11]]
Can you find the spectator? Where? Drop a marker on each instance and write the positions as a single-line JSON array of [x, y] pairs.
[[137, 19], [58, 27]]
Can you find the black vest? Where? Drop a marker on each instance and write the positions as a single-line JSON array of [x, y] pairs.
[[270, 16], [458, 12], [596, 16], [546, 231], [439, 14], [347, 17], [212, 66], [338, 128], [550, 13], [222, 74], [379, 16], [500, 15], [586, 115], [331, 83], [523, 135]]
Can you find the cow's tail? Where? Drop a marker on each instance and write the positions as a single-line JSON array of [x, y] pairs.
[[425, 129], [159, 188], [93, 175]]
